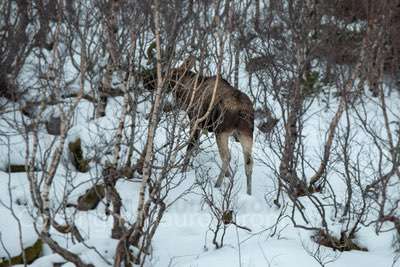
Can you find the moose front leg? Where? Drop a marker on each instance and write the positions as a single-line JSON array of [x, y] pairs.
[[192, 145]]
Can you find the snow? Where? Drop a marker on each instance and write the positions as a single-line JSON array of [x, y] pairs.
[[183, 238], [9, 229]]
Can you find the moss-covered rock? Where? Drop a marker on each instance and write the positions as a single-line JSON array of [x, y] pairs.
[[53, 126], [31, 254], [149, 78], [16, 168], [77, 159], [345, 243], [91, 198], [127, 172], [311, 84]]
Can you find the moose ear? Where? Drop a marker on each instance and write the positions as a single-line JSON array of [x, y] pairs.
[[188, 63]]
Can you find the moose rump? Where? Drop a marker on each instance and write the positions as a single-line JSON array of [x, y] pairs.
[[212, 104]]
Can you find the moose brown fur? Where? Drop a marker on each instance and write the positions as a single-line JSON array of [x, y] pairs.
[[229, 113]]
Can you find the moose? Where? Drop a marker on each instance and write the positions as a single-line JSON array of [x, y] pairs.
[[211, 104]]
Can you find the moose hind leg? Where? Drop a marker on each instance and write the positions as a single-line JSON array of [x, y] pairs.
[[223, 148], [247, 143]]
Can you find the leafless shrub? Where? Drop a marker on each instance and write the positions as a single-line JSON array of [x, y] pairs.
[[343, 55]]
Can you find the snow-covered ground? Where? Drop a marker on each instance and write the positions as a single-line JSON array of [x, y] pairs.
[[183, 237]]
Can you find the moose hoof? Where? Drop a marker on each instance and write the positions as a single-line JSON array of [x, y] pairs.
[[218, 182], [186, 167], [228, 174]]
